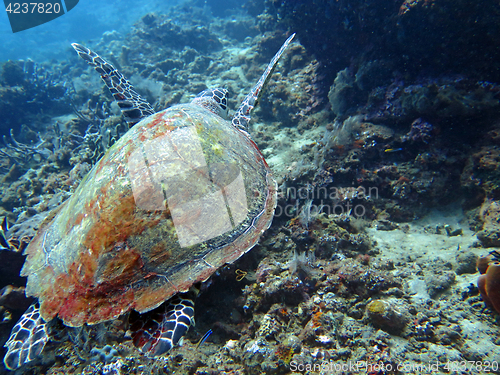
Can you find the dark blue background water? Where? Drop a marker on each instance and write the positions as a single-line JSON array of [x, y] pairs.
[[88, 20]]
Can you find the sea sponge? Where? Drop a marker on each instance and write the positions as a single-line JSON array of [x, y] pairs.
[[489, 282], [493, 285], [483, 263]]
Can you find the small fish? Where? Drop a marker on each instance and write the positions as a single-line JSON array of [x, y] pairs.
[[393, 150], [203, 339]]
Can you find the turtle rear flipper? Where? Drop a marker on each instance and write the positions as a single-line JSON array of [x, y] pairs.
[[158, 331], [133, 106], [27, 339]]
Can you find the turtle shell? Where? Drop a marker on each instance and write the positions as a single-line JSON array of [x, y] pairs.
[[182, 193]]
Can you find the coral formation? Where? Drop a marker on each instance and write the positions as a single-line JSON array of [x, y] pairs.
[[408, 33], [29, 94], [387, 315], [421, 131]]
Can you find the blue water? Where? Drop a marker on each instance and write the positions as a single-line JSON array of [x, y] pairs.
[[87, 21]]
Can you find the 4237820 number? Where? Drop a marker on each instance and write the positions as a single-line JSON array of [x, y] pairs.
[[40, 8]]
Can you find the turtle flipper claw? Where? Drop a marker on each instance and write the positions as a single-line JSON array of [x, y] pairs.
[[158, 331], [133, 106], [27, 339]]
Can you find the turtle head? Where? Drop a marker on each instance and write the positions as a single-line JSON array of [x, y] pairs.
[[215, 100]]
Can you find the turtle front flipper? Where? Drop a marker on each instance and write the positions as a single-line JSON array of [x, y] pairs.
[[242, 115], [27, 339], [133, 106], [158, 331]]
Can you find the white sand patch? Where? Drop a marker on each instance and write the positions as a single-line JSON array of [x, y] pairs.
[[420, 240]]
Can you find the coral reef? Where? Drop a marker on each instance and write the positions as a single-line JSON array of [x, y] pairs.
[[407, 33], [443, 97], [421, 131], [371, 135], [29, 94]]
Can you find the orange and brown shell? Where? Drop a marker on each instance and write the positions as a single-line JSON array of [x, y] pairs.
[[182, 193]]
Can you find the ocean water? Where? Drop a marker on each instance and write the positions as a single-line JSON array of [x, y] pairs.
[[87, 21], [90, 19]]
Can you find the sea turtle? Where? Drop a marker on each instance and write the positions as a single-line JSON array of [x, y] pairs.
[[182, 193]]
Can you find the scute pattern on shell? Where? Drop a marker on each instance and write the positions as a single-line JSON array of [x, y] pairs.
[[161, 211]]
